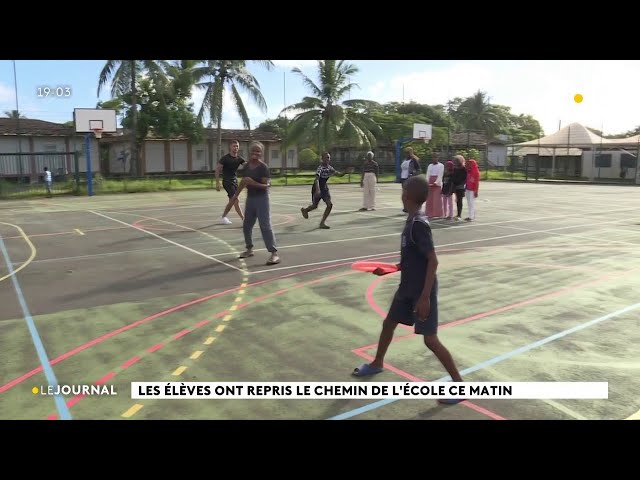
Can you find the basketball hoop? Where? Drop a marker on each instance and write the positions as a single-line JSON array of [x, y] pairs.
[[97, 132]]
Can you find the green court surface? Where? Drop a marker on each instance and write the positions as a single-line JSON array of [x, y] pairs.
[[148, 287]]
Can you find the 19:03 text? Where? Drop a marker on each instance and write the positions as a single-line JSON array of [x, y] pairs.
[[53, 92]]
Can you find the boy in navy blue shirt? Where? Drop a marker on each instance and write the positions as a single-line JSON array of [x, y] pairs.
[[415, 303]]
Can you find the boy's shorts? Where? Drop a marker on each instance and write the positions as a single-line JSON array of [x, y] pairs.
[[401, 311], [323, 195]]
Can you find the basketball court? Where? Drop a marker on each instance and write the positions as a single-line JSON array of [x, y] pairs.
[[148, 287]]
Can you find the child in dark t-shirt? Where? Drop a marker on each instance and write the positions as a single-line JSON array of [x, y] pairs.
[[415, 303]]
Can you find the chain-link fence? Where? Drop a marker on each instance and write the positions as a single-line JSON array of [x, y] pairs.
[[23, 175]]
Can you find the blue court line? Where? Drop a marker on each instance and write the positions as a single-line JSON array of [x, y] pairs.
[[63, 411], [494, 360]]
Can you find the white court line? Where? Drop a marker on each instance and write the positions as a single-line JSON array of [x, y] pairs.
[[170, 241], [531, 232], [321, 209], [233, 250], [449, 227], [582, 237]]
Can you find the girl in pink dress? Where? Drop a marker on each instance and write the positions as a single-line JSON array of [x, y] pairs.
[[435, 172]]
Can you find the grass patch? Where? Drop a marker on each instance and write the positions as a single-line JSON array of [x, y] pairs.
[[101, 186]]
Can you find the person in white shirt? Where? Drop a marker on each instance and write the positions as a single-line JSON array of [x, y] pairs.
[[409, 167], [404, 170], [435, 172], [48, 180]]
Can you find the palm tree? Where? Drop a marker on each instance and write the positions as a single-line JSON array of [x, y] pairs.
[[181, 78], [124, 75], [327, 115], [479, 114], [14, 114], [234, 74]]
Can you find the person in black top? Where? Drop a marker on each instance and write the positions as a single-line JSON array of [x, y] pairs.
[[229, 164], [459, 179], [415, 302], [320, 189]]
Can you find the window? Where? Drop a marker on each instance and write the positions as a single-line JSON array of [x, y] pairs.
[[199, 155], [603, 160], [292, 154], [275, 154], [628, 160]]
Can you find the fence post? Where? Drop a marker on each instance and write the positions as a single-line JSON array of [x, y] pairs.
[[76, 173]]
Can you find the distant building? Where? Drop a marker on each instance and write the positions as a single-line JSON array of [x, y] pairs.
[[51, 144]]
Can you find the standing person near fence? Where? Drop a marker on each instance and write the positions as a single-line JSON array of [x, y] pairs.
[[369, 182], [412, 162], [258, 205], [229, 165], [48, 181], [447, 191], [459, 181], [435, 172], [473, 184], [404, 170], [320, 189]]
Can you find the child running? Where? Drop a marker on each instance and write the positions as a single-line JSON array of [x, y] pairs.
[[415, 303], [320, 189]]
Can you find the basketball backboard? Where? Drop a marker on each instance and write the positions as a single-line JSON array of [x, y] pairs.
[[422, 131], [95, 120]]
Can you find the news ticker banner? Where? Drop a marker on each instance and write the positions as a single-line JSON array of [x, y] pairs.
[[370, 390]]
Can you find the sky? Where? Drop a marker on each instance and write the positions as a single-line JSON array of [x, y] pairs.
[[543, 89]]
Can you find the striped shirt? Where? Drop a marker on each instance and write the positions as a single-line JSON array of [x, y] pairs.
[[371, 167], [323, 173]]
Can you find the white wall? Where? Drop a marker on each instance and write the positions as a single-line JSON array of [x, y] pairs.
[[178, 156], [115, 151], [590, 171], [498, 155], [78, 144], [200, 157], [292, 157], [154, 156], [9, 164]]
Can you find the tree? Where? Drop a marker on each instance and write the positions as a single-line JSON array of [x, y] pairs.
[[327, 115], [232, 74], [14, 114], [125, 76]]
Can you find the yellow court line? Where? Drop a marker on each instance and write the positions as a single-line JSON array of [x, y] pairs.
[[219, 328], [196, 354], [132, 411], [31, 257], [78, 231], [227, 318], [209, 340], [178, 371], [635, 416]]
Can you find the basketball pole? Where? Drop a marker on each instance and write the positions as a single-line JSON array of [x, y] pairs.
[[87, 139]]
